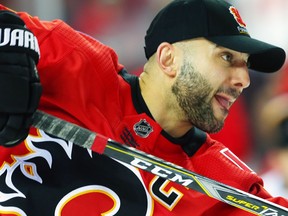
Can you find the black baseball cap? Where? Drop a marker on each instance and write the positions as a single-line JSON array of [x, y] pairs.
[[218, 22]]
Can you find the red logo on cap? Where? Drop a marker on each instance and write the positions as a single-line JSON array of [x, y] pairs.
[[237, 16]]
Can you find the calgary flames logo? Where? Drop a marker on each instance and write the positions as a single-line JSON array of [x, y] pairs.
[[34, 160], [237, 16], [242, 26]]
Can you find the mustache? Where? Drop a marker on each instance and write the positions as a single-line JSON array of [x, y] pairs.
[[230, 91]]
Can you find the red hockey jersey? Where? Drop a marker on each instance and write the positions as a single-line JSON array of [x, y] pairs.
[[84, 84]]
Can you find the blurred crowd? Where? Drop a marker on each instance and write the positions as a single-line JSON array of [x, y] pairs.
[[257, 128]]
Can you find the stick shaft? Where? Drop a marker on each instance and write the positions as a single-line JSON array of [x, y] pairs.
[[100, 144]]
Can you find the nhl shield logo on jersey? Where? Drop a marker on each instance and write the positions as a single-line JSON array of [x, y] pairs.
[[143, 128]]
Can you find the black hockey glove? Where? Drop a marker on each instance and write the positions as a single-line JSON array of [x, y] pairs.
[[20, 88]]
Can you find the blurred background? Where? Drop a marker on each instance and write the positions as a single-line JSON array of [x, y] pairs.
[[257, 128]]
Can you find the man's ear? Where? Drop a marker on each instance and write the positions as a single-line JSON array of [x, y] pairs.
[[166, 58]]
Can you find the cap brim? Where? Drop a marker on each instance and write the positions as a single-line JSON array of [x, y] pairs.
[[264, 57]]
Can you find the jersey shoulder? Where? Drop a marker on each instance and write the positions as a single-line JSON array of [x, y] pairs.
[[221, 164]]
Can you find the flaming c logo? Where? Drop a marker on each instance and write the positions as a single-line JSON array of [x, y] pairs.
[[25, 162], [237, 16]]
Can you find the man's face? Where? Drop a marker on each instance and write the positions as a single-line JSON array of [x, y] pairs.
[[210, 80]]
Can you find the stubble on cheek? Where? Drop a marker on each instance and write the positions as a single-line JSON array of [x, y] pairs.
[[193, 94]]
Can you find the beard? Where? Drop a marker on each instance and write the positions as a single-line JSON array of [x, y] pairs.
[[193, 94]]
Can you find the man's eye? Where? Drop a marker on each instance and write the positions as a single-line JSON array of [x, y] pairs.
[[227, 57]]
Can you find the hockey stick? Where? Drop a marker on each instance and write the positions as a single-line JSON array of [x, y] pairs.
[[103, 145]]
